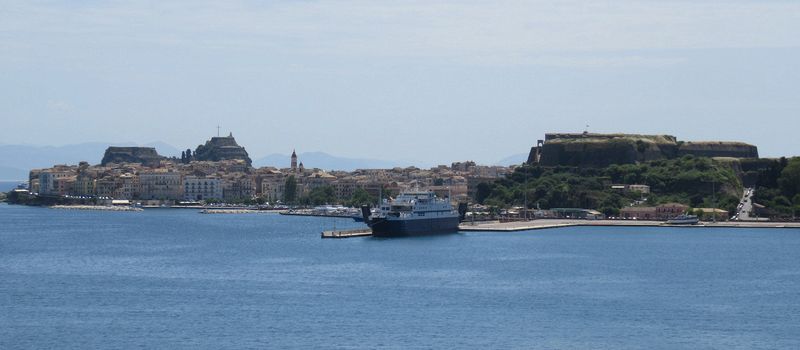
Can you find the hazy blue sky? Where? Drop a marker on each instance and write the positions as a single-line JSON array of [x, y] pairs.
[[433, 81]]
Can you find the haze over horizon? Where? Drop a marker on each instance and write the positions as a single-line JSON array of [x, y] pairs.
[[434, 82]]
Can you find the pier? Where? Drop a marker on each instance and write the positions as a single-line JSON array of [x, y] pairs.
[[495, 226], [230, 211], [360, 232], [542, 224], [96, 207], [305, 212]]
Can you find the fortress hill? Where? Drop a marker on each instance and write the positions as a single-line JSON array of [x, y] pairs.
[[600, 150], [216, 149]]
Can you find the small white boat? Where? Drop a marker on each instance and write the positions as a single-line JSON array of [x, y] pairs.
[[684, 219]]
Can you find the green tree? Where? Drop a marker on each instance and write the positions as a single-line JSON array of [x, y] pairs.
[[685, 180], [789, 179], [290, 190], [387, 193], [700, 214], [482, 191], [361, 197], [321, 195]]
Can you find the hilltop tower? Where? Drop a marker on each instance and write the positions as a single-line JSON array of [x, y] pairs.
[[294, 162]]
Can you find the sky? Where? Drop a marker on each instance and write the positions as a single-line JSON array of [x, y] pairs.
[[419, 81]]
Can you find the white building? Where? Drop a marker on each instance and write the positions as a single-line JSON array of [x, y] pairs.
[[201, 188], [162, 185]]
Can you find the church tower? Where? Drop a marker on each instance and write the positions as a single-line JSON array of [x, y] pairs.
[[294, 162]]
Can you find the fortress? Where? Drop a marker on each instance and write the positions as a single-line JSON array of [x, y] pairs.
[[221, 148], [142, 155], [600, 150], [216, 149]]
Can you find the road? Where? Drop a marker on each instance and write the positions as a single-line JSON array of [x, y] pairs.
[[745, 206]]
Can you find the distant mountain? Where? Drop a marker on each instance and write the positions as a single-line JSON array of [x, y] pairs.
[[17, 160], [162, 148], [11, 174], [6, 186], [325, 161], [516, 159]]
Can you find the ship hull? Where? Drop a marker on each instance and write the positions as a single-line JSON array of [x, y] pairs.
[[682, 222], [418, 227]]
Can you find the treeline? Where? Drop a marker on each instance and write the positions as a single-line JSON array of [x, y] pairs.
[[327, 195], [694, 181], [324, 195]]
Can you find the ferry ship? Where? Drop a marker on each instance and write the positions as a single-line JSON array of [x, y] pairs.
[[413, 213]]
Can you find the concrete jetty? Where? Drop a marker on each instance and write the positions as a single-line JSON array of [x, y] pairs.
[[304, 212], [360, 232], [230, 211], [541, 224], [96, 207]]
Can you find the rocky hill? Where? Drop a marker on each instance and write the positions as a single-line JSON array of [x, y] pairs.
[[221, 148]]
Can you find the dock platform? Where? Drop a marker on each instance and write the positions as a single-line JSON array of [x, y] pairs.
[[541, 224], [229, 211], [361, 232]]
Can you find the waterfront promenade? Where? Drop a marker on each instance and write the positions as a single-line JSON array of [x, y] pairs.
[[556, 223], [541, 224]]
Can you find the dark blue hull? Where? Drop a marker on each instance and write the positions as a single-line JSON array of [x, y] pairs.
[[399, 228]]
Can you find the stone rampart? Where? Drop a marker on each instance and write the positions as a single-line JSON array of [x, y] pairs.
[[599, 150], [142, 155], [718, 149]]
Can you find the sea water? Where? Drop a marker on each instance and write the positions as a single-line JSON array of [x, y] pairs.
[[177, 279]]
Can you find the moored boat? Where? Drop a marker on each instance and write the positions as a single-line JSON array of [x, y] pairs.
[[412, 213], [684, 219]]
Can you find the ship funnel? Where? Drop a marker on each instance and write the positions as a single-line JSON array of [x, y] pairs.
[[365, 212]]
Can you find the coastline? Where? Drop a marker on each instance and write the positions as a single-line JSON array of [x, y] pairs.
[[495, 226], [95, 207]]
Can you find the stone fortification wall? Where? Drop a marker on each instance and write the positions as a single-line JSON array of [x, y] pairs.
[[561, 137], [604, 149], [142, 155], [599, 150], [718, 149]]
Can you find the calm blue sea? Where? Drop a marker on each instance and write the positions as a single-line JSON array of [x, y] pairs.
[[176, 279]]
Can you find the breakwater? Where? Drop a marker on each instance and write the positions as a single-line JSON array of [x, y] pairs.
[[309, 212], [232, 211], [96, 207]]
